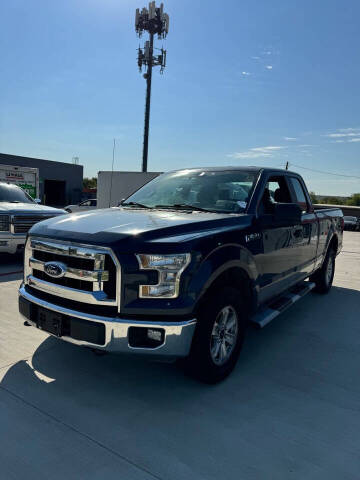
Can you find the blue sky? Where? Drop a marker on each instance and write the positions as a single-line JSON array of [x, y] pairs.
[[256, 82]]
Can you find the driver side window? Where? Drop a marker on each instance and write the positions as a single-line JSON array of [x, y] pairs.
[[276, 191]]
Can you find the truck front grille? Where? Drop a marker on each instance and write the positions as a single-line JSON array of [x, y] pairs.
[[77, 273], [23, 223]]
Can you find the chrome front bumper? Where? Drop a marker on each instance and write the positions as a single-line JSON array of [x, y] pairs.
[[177, 340], [10, 243]]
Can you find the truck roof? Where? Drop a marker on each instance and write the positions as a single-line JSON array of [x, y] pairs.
[[246, 168]]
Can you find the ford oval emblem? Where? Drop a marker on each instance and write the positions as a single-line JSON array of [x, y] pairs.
[[55, 269]]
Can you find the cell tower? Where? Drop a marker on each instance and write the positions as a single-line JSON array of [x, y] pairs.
[[154, 21]]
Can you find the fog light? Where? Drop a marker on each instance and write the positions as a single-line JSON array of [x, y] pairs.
[[143, 337], [154, 334]]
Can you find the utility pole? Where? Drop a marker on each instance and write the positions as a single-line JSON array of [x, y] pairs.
[[154, 21]]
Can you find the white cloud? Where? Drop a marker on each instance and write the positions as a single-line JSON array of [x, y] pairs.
[[255, 58], [342, 135], [246, 74], [304, 145], [290, 139], [267, 149], [345, 135], [269, 67], [257, 152], [348, 129]]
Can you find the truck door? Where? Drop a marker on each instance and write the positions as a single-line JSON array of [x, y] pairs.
[[277, 261], [304, 236]]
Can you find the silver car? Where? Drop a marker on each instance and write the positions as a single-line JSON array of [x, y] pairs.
[[351, 223], [83, 206]]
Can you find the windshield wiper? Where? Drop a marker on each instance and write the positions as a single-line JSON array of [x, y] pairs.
[[185, 206], [134, 204]]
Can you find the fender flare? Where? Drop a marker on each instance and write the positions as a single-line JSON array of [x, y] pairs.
[[223, 259]]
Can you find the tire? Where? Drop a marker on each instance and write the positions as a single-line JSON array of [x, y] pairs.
[[218, 337], [324, 277]]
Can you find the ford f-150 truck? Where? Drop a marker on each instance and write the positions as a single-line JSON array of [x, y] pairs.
[[181, 267], [18, 213]]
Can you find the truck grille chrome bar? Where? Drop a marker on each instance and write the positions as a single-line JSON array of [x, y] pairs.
[[66, 292], [23, 223], [77, 272]]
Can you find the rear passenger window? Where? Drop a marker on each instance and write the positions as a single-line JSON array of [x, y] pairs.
[[300, 197]]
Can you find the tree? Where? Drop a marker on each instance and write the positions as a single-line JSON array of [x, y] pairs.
[[313, 197], [354, 200], [90, 182], [332, 201]]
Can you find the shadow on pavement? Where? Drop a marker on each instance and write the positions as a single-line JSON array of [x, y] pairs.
[[139, 408], [9, 277], [11, 266]]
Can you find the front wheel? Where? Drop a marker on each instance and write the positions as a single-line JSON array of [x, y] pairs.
[[324, 277], [218, 337]]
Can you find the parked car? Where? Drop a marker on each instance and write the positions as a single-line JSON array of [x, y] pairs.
[[81, 207], [18, 213], [351, 223], [182, 266]]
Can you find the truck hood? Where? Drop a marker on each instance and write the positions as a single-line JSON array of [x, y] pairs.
[[18, 208], [109, 226]]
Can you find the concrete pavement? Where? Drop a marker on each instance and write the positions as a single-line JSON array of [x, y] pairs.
[[291, 408]]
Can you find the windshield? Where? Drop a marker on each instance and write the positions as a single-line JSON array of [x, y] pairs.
[[14, 194], [218, 191]]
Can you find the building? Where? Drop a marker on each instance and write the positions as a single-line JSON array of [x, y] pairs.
[[112, 187], [60, 183]]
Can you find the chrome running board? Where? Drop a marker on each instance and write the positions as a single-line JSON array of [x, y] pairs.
[[268, 312]]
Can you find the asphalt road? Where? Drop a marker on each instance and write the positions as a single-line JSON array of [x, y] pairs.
[[290, 410]]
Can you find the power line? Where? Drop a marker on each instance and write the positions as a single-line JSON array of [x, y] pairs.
[[326, 173]]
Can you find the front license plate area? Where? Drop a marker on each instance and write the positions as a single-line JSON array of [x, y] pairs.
[[49, 321]]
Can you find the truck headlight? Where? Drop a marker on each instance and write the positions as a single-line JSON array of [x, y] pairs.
[[169, 267], [4, 223]]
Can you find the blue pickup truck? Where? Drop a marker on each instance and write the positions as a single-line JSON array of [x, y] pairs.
[[181, 267]]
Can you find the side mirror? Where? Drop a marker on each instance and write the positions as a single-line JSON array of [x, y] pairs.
[[37, 200], [287, 214], [121, 202]]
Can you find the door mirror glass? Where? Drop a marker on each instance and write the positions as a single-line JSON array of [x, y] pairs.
[[284, 215], [287, 214], [37, 200]]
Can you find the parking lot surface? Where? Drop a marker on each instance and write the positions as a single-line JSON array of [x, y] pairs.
[[290, 410]]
